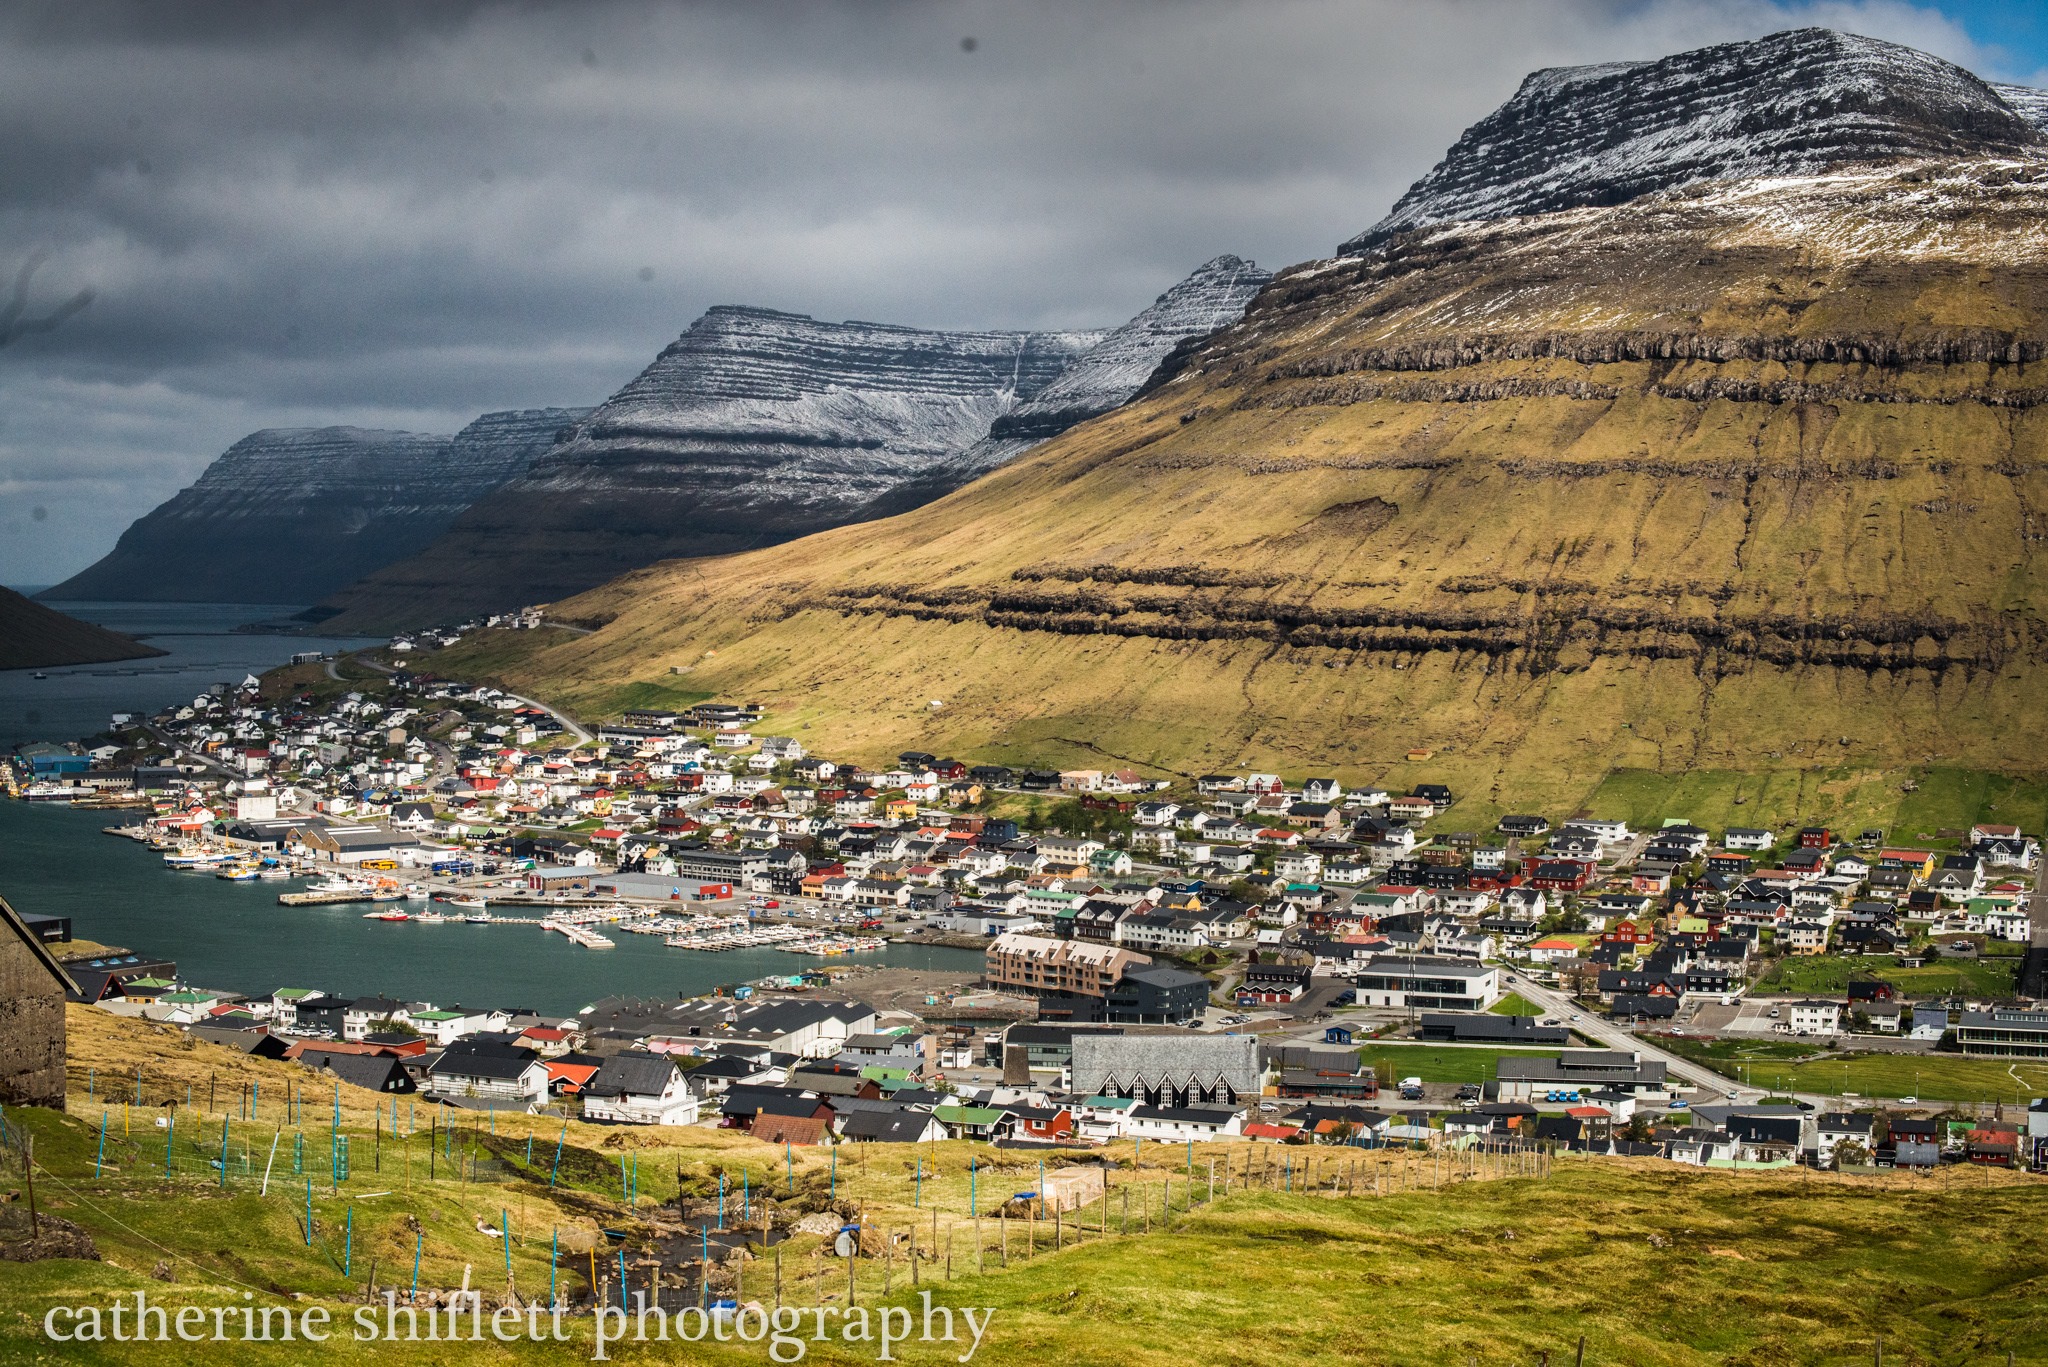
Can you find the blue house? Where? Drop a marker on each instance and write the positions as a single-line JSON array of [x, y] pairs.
[[1337, 1034]]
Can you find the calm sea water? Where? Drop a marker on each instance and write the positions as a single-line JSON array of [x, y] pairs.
[[55, 861], [204, 647]]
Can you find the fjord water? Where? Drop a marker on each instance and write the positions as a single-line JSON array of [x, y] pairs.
[[75, 701], [55, 861]]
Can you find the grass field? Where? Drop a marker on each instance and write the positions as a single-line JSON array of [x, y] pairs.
[[1515, 1004], [1652, 1264], [1939, 812], [1442, 1063], [1831, 973], [1931, 1077], [1745, 1268]]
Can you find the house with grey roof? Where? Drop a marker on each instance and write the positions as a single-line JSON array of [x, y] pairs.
[[1576, 1072], [1183, 1068], [639, 1088]]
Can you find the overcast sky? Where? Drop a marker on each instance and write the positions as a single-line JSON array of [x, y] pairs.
[[403, 215]]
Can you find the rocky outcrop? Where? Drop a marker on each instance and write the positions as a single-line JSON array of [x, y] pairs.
[[1110, 373], [287, 515], [36, 637], [1794, 103]]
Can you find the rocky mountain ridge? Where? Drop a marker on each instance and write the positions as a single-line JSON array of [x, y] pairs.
[[1743, 472], [1794, 103], [758, 426], [289, 515]]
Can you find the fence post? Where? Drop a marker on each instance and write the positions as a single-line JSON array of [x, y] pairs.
[[101, 1156], [223, 1151]]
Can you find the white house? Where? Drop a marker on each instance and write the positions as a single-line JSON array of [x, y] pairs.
[[637, 1088], [1747, 839], [1179, 1124], [1814, 1017]]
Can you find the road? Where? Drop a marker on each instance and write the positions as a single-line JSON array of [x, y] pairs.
[[1614, 1037], [569, 725]]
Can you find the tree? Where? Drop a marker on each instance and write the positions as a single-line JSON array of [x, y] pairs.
[[1850, 1153], [1638, 1130]]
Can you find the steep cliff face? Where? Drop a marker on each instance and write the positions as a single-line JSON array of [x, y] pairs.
[[756, 427], [1108, 374], [752, 428], [1794, 103], [291, 514], [1747, 473]]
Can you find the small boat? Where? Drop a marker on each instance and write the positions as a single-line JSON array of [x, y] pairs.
[[478, 918], [39, 675], [236, 873], [272, 872], [387, 916], [467, 901], [431, 918]]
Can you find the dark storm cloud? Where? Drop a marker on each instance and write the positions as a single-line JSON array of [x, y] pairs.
[[402, 214]]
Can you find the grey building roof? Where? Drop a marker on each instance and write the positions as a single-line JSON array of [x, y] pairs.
[[632, 1073], [1172, 1059]]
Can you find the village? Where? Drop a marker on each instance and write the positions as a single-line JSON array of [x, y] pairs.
[[1237, 957]]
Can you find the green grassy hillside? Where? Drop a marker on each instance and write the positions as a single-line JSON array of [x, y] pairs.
[[1732, 481]]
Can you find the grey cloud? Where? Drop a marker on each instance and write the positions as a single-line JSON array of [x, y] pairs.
[[403, 215]]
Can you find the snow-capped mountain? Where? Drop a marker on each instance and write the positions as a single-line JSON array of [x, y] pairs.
[[755, 427], [1793, 103], [288, 515], [1107, 374]]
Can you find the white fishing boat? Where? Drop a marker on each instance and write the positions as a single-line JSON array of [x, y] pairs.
[[195, 859]]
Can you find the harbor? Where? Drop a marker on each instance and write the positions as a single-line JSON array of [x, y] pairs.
[[236, 935]]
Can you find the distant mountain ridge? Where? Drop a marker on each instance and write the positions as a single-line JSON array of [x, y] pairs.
[[1792, 103], [758, 426], [301, 512]]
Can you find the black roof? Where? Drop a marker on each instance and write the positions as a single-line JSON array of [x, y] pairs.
[[632, 1072], [902, 1125]]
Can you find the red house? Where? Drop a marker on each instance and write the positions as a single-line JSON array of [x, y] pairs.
[[1628, 933], [1043, 1122], [1563, 875], [1816, 838]]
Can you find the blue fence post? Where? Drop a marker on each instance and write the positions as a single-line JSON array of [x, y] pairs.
[[309, 1212], [223, 1151], [833, 1189], [170, 1138], [789, 1164], [101, 1156], [554, 1263], [721, 1200], [418, 1241], [348, 1248], [505, 1228], [558, 1153], [917, 1192], [743, 1196]]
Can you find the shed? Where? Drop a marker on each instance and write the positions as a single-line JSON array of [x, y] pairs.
[[33, 986]]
